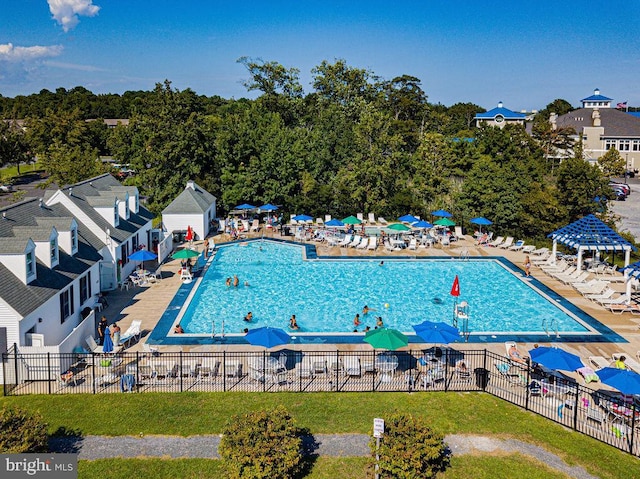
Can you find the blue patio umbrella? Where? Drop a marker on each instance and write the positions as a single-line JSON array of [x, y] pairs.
[[268, 207], [556, 358], [422, 224], [408, 219], [437, 333], [625, 381], [334, 223], [107, 346], [245, 206], [302, 218], [143, 255], [267, 337], [481, 221], [442, 214]]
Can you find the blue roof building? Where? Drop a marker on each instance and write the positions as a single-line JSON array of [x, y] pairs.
[[596, 100], [500, 117]]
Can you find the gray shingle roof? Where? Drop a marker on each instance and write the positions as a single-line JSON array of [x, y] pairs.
[[616, 123], [190, 201], [28, 214]]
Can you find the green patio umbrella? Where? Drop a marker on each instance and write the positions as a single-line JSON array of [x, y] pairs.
[[351, 220], [185, 253], [399, 227], [383, 338], [444, 222]]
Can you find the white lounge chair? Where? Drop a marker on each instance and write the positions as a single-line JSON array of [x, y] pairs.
[[540, 251], [372, 218], [632, 308], [352, 366], [517, 246], [373, 243], [606, 294], [319, 221], [255, 226], [363, 244], [132, 332], [572, 278], [382, 221], [95, 348], [599, 362], [360, 216], [345, 241], [327, 218], [619, 300], [507, 243], [496, 242], [413, 244], [355, 242], [529, 249]]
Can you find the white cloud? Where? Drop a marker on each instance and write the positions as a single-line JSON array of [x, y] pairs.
[[10, 53], [66, 12], [73, 66]]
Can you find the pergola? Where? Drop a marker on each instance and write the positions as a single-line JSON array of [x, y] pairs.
[[631, 271], [591, 234]]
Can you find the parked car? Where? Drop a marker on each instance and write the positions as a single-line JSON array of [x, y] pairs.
[[6, 188], [623, 186]]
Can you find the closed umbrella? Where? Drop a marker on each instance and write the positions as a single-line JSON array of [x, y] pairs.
[[351, 220], [384, 338], [189, 235], [143, 255], [408, 219], [107, 346], [437, 333], [556, 358], [444, 222], [185, 253], [267, 337], [625, 381], [442, 213]]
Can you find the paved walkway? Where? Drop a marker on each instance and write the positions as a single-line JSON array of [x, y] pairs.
[[334, 445]]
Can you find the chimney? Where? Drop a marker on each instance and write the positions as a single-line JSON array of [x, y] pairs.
[[191, 184], [70, 191], [553, 118], [41, 203], [595, 117]]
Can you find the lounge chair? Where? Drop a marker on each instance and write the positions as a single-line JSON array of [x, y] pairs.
[[573, 279], [517, 246], [373, 243], [371, 218], [540, 251], [498, 241], [413, 244], [355, 242], [363, 244], [382, 221], [319, 221], [352, 366], [345, 241], [619, 300], [599, 362], [95, 348], [606, 294], [528, 249], [632, 308], [360, 216], [507, 243], [513, 355], [255, 226], [132, 332], [514, 377], [185, 275], [327, 218], [594, 288]]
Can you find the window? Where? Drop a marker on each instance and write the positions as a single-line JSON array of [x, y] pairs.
[[116, 216], [74, 240], [608, 144], [85, 287], [135, 203], [134, 242], [624, 145], [54, 250], [124, 253], [66, 304], [31, 264], [635, 145]]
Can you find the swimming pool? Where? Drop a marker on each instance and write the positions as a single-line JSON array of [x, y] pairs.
[[326, 293]]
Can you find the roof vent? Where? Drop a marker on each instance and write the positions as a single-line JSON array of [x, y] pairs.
[[91, 183], [4, 215], [499, 104], [41, 203], [191, 184], [70, 191]]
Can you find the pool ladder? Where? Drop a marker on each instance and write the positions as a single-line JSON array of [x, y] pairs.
[[464, 254], [552, 325]]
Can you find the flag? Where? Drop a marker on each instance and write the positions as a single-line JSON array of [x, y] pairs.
[[455, 288], [622, 105]]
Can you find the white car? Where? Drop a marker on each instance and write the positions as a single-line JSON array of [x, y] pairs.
[[6, 188]]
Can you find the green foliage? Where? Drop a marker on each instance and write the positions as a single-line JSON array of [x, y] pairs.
[[578, 183], [14, 149], [22, 432], [262, 444], [409, 449], [612, 163]]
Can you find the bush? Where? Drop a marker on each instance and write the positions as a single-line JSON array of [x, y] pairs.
[[262, 444], [22, 432], [409, 449]]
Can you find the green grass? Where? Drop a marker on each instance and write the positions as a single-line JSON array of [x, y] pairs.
[[9, 172], [206, 413]]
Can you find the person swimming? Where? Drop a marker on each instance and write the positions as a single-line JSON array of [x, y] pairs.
[[379, 322], [293, 324]]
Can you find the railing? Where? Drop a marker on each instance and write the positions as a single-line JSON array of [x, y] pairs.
[[601, 415]]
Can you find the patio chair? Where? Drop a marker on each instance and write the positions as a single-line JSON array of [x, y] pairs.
[[363, 244], [507, 243], [360, 216], [372, 218], [512, 376], [355, 242], [132, 332], [529, 249], [352, 366], [373, 243], [517, 246], [598, 362], [496, 242], [345, 241], [327, 218], [433, 375], [629, 362], [382, 221], [413, 244]]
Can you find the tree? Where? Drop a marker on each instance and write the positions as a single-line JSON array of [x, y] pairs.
[[14, 149], [612, 163], [342, 84], [578, 184], [272, 78]]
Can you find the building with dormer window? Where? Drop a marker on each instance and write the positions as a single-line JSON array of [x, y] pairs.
[[499, 117]]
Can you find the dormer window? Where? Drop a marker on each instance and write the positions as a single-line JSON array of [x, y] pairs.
[[116, 216], [74, 240], [30, 264], [136, 204], [54, 250]]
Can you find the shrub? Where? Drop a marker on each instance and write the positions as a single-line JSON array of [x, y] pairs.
[[262, 444], [22, 432], [409, 449]]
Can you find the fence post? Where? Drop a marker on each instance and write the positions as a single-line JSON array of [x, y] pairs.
[[633, 426], [485, 370], [264, 371], [575, 408], [180, 373], [49, 370], [337, 369], [528, 389], [15, 360], [375, 372], [93, 371], [138, 369], [224, 371], [446, 369]]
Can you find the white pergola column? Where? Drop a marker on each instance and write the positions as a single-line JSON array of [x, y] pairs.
[[627, 276], [580, 250], [554, 250]]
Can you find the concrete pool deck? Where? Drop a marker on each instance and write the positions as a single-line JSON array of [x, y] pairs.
[[149, 303]]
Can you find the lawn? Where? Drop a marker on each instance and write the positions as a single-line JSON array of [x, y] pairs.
[[206, 413]]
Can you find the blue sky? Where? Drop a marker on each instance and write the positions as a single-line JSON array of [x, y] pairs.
[[524, 53]]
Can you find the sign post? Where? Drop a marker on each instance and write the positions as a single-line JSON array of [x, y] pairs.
[[378, 431]]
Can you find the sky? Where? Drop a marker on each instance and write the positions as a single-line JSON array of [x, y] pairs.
[[523, 53]]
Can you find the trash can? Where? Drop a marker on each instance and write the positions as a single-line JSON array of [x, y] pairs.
[[482, 377], [286, 231]]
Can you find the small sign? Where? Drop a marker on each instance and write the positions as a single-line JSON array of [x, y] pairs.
[[378, 427]]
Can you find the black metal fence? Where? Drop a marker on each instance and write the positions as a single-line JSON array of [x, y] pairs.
[[603, 415]]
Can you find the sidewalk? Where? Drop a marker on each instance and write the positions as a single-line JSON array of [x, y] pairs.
[[333, 445]]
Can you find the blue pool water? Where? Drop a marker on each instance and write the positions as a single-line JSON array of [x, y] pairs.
[[326, 294]]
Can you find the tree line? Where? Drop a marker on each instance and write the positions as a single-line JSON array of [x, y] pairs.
[[354, 143]]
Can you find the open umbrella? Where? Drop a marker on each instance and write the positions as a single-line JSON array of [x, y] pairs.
[[384, 338], [267, 337], [245, 206], [143, 255], [556, 358], [268, 207], [442, 213], [408, 219], [437, 333], [422, 224], [399, 227], [302, 218], [334, 223], [351, 220], [625, 381], [185, 253], [481, 221], [444, 222], [107, 346]]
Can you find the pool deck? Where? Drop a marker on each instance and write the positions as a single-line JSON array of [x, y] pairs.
[[148, 303]]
